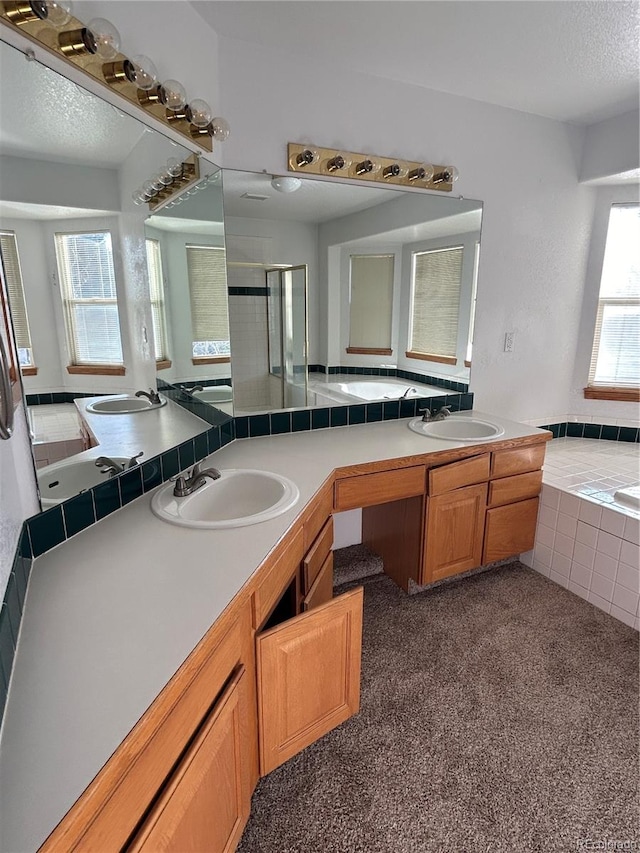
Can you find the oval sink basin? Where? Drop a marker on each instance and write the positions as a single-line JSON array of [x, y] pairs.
[[123, 404], [241, 496], [65, 479], [457, 429]]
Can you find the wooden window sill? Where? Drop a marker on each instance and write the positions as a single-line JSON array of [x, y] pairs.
[[97, 369], [604, 392], [369, 350], [441, 359], [163, 364], [214, 359], [29, 371]]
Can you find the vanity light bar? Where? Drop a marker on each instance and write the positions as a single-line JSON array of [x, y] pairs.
[[173, 180], [94, 49], [368, 167]]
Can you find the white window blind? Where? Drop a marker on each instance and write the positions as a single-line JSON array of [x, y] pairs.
[[15, 292], [88, 289], [435, 303], [371, 301], [209, 304], [156, 293], [615, 360]]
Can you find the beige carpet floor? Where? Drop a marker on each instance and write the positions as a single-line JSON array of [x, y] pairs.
[[499, 713]]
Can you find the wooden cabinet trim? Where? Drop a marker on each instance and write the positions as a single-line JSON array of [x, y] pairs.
[[455, 475], [379, 488], [275, 577], [517, 488], [322, 589], [315, 515], [314, 558]]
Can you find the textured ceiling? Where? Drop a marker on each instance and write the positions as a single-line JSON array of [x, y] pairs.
[[572, 60]]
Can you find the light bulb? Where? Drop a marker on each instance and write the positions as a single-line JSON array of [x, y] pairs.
[[219, 128], [173, 95], [448, 175], [58, 12], [107, 37], [145, 73], [392, 171], [148, 189], [165, 178], [200, 112], [157, 183], [174, 167], [421, 173], [306, 157], [366, 167], [337, 163]]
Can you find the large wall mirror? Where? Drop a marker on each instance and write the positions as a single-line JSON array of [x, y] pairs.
[[329, 278], [74, 255]]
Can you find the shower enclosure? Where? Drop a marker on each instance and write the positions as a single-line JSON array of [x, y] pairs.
[[287, 335]]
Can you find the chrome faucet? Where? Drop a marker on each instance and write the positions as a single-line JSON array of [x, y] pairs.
[[109, 466], [189, 392], [152, 396], [188, 485], [440, 415], [407, 392]]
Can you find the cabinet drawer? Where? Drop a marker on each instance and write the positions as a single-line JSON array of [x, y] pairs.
[[322, 589], [380, 488], [455, 475], [316, 556], [518, 488], [321, 509], [510, 530], [276, 579], [504, 463]]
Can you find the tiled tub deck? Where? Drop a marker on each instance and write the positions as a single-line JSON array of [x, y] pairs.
[[586, 540]]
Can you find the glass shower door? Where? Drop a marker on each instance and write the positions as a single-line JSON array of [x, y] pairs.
[[287, 320]]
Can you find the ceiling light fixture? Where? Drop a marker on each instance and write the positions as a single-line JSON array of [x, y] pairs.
[[285, 183]]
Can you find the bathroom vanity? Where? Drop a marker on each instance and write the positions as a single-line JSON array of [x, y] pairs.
[[173, 667]]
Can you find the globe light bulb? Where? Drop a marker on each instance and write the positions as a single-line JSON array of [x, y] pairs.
[[58, 12], [106, 36], [173, 95], [138, 197], [174, 167], [200, 112], [145, 73], [165, 178], [220, 128], [148, 189]]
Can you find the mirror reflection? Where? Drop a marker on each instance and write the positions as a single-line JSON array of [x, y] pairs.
[[331, 280], [73, 255]]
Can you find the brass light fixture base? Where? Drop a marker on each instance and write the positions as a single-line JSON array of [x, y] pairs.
[[381, 170], [72, 44]]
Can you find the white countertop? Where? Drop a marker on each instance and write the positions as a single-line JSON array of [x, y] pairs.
[[112, 613]]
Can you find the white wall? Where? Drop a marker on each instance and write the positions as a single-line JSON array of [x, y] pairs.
[[536, 217], [611, 147]]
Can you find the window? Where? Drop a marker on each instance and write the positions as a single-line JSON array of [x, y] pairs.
[[156, 292], [209, 306], [370, 304], [17, 303], [88, 290], [435, 304], [615, 360]]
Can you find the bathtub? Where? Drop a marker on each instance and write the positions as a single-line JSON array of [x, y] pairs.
[[588, 532], [369, 390]]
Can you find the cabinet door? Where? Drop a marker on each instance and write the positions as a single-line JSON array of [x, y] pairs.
[[206, 803], [454, 531], [308, 677], [510, 530]]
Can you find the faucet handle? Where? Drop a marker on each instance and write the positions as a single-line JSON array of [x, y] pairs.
[[426, 414], [134, 460]]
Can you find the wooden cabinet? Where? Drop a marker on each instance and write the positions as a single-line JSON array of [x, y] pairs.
[[308, 677], [453, 532], [206, 803], [510, 530]]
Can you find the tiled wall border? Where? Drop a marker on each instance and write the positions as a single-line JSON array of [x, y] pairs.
[[572, 429], [43, 532], [411, 376]]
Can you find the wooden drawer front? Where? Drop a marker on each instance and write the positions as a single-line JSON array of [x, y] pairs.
[[321, 509], [322, 589], [206, 803], [276, 578], [518, 488], [510, 530], [373, 489], [468, 472], [315, 558], [504, 463]]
